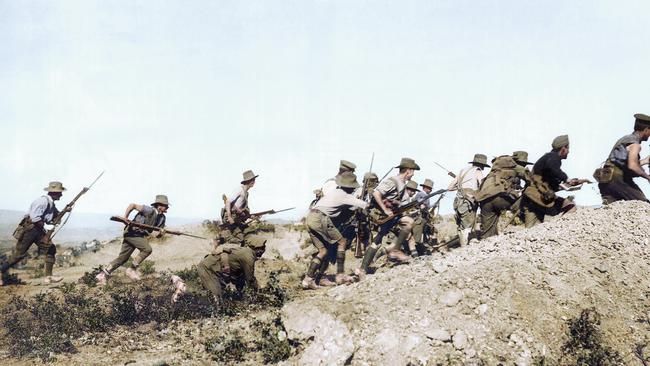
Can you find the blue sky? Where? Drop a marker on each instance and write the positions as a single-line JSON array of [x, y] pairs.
[[181, 97]]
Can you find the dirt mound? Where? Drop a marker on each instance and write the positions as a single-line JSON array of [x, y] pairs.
[[511, 299]]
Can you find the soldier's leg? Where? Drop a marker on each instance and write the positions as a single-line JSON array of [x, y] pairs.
[[22, 246], [417, 232], [50, 259], [142, 244], [489, 218], [125, 253], [533, 214], [314, 223], [394, 250], [208, 270], [341, 277]]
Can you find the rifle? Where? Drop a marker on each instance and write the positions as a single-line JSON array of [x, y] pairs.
[[449, 173], [47, 239], [400, 210], [358, 248], [128, 222], [245, 215]]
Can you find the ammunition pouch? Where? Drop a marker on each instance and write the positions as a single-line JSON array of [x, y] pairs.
[[605, 174], [24, 226], [540, 192]]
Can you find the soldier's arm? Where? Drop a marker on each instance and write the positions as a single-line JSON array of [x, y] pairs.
[[379, 199], [248, 267], [633, 163], [131, 207], [454, 184]]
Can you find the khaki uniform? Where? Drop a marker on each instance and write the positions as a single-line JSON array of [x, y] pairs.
[[619, 184], [240, 233], [241, 262], [330, 217], [498, 192], [27, 233], [137, 238]]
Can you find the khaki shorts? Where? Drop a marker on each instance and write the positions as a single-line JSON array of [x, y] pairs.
[[321, 229]]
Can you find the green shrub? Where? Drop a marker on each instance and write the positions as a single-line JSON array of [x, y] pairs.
[[147, 267], [585, 344]]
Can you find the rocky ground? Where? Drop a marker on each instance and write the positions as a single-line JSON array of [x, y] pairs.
[[513, 299]]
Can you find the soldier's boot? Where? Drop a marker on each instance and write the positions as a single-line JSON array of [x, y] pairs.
[[326, 282], [133, 273], [463, 236], [49, 278], [342, 278], [368, 257], [102, 277], [421, 249], [179, 287], [396, 254], [308, 283]]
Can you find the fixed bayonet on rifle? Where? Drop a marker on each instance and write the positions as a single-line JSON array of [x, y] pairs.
[[400, 210], [449, 173], [66, 210], [128, 222], [385, 175], [269, 212]]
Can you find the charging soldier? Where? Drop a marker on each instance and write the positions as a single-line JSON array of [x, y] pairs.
[[236, 213], [616, 177], [32, 229], [421, 224], [466, 184], [138, 238], [498, 192], [539, 196], [325, 222], [389, 195]]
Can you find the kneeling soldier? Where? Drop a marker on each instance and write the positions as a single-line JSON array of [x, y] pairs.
[[32, 230], [137, 238], [230, 264], [325, 222]]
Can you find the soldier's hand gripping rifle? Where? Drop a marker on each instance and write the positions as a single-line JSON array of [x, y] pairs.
[[400, 210], [49, 234], [128, 222]]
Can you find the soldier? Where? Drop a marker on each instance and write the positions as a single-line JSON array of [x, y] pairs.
[[388, 195], [324, 222], [32, 229], [466, 184], [615, 179], [499, 191], [230, 264], [421, 225], [539, 196], [411, 190], [236, 213], [138, 238], [363, 224]]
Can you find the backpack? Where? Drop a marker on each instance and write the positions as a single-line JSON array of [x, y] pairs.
[[502, 179]]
